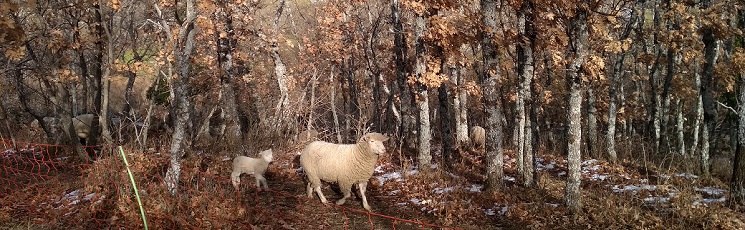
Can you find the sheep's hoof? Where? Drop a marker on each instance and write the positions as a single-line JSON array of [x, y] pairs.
[[340, 202]]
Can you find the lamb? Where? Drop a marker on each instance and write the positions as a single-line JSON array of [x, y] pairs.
[[344, 164], [254, 166], [82, 124], [478, 137]]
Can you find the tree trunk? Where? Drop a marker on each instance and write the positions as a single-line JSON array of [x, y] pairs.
[[592, 124], [699, 108], [407, 111], [525, 68], [460, 107], [280, 71], [333, 105], [707, 85], [425, 135], [445, 125], [181, 91], [225, 48], [493, 109], [579, 37], [679, 126], [738, 173]]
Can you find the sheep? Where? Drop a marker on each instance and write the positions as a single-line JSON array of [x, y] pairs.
[[254, 166], [344, 164], [82, 124], [478, 137]]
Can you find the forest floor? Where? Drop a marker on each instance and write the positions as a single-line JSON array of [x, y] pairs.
[[629, 195]]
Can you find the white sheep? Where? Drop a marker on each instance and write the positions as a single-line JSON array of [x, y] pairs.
[[478, 137], [344, 164], [254, 166], [82, 124]]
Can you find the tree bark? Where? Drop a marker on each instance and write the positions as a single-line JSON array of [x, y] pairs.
[[707, 84], [181, 91], [280, 72], [579, 40], [333, 105], [679, 126], [592, 124], [738, 173], [407, 129], [699, 108], [489, 80], [460, 105], [526, 69], [225, 48], [425, 135]]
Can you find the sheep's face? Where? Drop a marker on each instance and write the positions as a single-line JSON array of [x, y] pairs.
[[266, 155], [375, 142]]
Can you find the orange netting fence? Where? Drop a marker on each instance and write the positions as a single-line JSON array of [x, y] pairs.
[[46, 185]]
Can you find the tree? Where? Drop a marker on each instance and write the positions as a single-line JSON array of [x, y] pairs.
[[425, 132], [577, 30], [525, 69], [711, 49], [489, 81], [182, 50]]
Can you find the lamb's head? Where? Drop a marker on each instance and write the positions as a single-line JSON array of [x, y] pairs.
[[374, 141], [266, 155]]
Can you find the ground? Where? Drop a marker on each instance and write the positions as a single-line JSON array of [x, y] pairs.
[[45, 189]]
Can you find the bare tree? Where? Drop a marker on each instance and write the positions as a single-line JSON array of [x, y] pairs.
[[493, 108], [425, 135], [579, 51], [181, 90]]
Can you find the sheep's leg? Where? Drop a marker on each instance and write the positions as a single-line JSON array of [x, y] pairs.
[[261, 180], [258, 180], [346, 189], [310, 190], [235, 177], [317, 187], [363, 186]]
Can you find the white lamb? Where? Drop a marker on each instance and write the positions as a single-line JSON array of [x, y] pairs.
[[344, 164], [254, 166], [478, 137]]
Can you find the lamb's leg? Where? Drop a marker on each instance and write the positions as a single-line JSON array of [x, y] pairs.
[[310, 190], [258, 180], [235, 177], [346, 189], [262, 179], [363, 186]]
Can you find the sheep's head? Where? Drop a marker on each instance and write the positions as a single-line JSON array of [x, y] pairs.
[[375, 142], [266, 155]]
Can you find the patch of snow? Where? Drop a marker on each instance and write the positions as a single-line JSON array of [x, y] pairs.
[[226, 158], [443, 190], [389, 176], [711, 191], [656, 199], [717, 200], [634, 189], [687, 176], [474, 188], [550, 166], [402, 203], [489, 212], [394, 192], [599, 177], [562, 174], [504, 210], [509, 178], [553, 205]]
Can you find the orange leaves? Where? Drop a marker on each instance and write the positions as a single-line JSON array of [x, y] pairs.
[[66, 75], [594, 68], [57, 42], [15, 53]]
